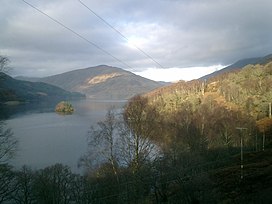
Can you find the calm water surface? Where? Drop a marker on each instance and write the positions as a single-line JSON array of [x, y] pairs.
[[46, 138]]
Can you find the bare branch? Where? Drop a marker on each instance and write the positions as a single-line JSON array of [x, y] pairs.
[[4, 61], [8, 144]]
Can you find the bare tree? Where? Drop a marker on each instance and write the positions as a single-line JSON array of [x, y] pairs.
[[120, 149], [4, 61], [7, 183], [8, 144], [54, 185], [138, 132], [102, 142], [24, 193]]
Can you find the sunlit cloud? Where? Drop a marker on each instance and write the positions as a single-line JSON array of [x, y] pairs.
[[176, 74]]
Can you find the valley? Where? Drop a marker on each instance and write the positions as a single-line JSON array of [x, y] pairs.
[[176, 142]]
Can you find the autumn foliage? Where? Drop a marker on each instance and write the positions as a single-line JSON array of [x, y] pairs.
[[64, 107], [204, 114]]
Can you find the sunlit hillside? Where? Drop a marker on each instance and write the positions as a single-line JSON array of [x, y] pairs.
[[215, 108], [102, 82]]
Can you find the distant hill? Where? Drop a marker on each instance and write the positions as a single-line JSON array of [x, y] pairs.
[[240, 64], [102, 82], [24, 91], [25, 78]]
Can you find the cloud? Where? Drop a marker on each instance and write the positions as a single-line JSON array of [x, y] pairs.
[[176, 74], [176, 33]]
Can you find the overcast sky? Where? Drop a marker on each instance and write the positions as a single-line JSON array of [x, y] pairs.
[[187, 38]]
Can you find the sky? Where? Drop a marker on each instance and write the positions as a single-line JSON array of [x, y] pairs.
[[164, 40]]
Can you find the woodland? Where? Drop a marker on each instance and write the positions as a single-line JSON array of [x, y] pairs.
[[190, 142]]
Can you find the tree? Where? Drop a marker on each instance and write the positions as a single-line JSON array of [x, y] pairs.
[[82, 189], [64, 107], [4, 61], [53, 185], [264, 125], [8, 144], [186, 129], [24, 193], [102, 144], [138, 132], [121, 150], [7, 183]]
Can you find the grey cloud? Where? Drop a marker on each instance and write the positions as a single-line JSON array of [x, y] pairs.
[[178, 33]]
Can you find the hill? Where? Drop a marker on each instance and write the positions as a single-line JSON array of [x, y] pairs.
[[238, 65], [24, 91], [213, 109], [201, 127], [102, 82]]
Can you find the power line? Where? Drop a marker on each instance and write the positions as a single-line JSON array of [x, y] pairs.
[[122, 35], [76, 33]]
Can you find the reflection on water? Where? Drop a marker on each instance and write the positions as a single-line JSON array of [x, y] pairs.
[[10, 111], [46, 138]]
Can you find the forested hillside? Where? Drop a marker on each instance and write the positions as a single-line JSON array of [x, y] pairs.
[[24, 91], [215, 108], [239, 65]]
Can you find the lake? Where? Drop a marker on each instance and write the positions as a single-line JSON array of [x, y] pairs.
[[46, 138]]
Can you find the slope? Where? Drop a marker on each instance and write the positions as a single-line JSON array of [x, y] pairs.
[[238, 65], [25, 91], [256, 184], [102, 82]]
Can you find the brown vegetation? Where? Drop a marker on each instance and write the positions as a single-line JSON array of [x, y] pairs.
[[64, 107]]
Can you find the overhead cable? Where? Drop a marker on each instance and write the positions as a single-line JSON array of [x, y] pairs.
[[118, 32], [77, 34]]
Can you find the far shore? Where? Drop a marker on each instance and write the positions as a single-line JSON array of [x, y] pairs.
[[13, 103]]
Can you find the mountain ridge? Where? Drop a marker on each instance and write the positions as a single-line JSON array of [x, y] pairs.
[[102, 82], [25, 91], [238, 65]]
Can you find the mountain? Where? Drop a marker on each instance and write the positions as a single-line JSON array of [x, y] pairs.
[[102, 82], [24, 91], [240, 64]]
